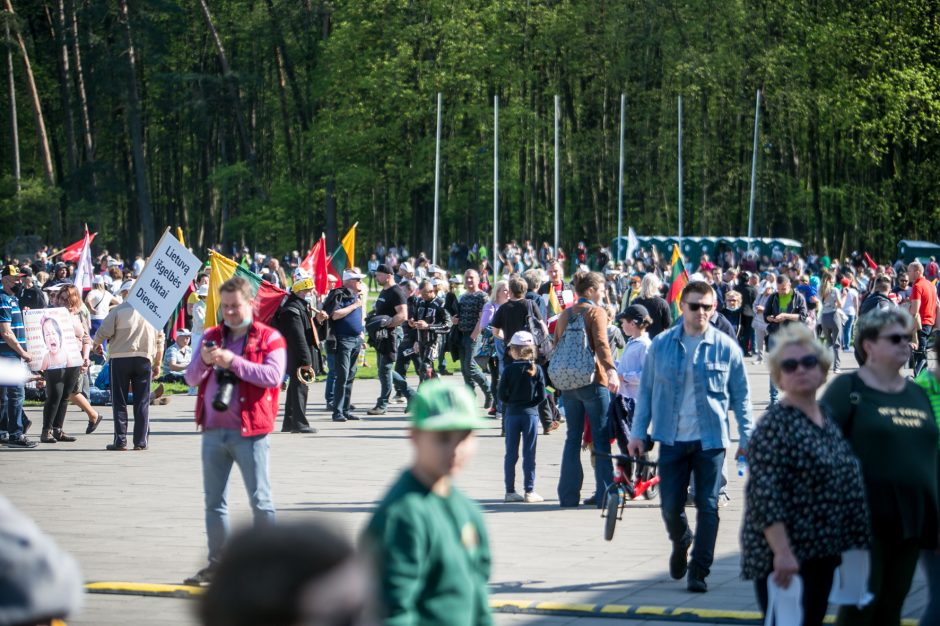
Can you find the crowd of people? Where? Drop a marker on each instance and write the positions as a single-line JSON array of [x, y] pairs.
[[547, 340]]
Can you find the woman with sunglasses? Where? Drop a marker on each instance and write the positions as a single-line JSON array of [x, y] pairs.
[[889, 422], [805, 499]]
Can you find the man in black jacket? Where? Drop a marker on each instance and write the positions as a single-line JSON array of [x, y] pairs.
[[877, 299], [783, 308], [294, 320]]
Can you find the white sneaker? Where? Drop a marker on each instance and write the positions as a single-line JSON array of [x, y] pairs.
[[531, 496], [512, 496], [723, 500]]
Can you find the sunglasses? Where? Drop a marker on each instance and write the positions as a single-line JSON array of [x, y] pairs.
[[808, 362], [896, 338], [695, 306]]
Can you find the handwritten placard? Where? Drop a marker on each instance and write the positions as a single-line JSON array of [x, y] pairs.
[[50, 339], [160, 287]]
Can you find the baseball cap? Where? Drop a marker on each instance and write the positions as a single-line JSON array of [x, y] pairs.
[[405, 267], [441, 405], [434, 269], [352, 274], [634, 313], [299, 274], [383, 268], [183, 332], [522, 338], [11, 270], [455, 280], [331, 277], [300, 285], [97, 280]]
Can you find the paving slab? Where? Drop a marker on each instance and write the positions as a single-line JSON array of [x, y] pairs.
[[138, 516]]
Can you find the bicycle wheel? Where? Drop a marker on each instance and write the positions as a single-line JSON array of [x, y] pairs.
[[613, 509], [653, 490]]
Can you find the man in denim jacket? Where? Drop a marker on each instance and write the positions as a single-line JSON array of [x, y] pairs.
[[686, 400]]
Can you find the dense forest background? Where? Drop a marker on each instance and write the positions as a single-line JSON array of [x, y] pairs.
[[265, 122]]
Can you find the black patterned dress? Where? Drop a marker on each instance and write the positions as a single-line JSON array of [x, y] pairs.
[[808, 478]]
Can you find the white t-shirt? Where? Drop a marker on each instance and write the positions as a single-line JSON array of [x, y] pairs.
[[99, 303], [851, 297]]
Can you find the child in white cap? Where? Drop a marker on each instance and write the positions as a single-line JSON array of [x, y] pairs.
[[521, 389]]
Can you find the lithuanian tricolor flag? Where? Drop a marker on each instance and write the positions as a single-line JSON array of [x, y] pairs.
[[679, 279], [267, 297], [345, 255]]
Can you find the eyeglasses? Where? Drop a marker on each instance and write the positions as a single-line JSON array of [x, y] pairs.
[[808, 362], [895, 338], [695, 306]]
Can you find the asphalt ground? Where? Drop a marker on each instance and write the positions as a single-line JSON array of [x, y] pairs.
[[138, 517]]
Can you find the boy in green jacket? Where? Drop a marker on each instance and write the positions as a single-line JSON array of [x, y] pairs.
[[428, 539]]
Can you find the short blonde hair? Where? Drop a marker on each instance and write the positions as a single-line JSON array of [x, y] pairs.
[[801, 336]]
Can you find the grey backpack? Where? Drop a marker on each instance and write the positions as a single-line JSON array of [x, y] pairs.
[[572, 364]]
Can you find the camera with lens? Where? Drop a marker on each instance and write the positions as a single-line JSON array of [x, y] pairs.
[[226, 381]]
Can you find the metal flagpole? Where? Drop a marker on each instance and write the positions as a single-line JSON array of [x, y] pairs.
[[557, 185], [620, 186], [495, 186], [680, 172], [437, 179], [750, 213]]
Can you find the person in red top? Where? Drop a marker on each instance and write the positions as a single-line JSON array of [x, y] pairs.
[[238, 371], [923, 307]]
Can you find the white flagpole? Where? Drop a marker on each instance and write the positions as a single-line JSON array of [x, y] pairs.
[[620, 184], [750, 212], [680, 172], [557, 185], [437, 179], [495, 188]]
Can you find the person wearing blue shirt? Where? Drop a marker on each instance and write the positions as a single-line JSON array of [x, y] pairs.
[[344, 307], [693, 374], [13, 353]]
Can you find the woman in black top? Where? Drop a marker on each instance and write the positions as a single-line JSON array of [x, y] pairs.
[[889, 423], [804, 501], [656, 305]]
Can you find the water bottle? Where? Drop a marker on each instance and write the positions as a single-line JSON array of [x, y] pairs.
[[742, 466]]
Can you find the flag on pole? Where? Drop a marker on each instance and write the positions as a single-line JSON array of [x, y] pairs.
[[871, 262], [316, 264], [73, 252], [632, 243], [85, 270], [679, 279], [267, 297], [345, 255]]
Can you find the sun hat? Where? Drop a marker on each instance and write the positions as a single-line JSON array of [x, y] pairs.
[[522, 338], [441, 405]]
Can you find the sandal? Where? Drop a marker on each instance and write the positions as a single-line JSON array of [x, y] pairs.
[[93, 424]]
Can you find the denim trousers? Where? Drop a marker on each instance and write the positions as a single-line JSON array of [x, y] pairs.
[[12, 397], [385, 364], [773, 388], [847, 332], [330, 373], [677, 464], [591, 401], [347, 353], [472, 374], [220, 448], [930, 561], [520, 424]]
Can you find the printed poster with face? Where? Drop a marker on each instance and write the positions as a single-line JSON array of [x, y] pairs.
[[50, 338]]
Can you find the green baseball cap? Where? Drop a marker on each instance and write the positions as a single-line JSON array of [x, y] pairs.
[[441, 405]]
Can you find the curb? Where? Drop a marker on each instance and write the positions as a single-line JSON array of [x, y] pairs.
[[686, 615]]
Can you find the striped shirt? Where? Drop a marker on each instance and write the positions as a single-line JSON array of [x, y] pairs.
[[11, 314], [931, 385]]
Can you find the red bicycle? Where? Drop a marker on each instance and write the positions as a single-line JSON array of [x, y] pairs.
[[633, 477]]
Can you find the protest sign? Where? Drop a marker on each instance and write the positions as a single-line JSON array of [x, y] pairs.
[[162, 283], [50, 338]]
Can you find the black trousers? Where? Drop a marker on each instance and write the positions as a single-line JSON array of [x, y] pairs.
[[131, 374], [60, 384], [747, 324], [295, 404], [817, 582]]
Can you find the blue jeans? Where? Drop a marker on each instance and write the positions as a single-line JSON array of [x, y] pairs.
[[472, 374], [522, 424], [330, 373], [677, 464], [591, 400], [12, 397], [220, 448], [385, 365], [773, 388], [930, 561], [847, 332], [347, 353]]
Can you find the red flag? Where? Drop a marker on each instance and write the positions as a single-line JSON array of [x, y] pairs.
[[316, 264], [267, 301], [871, 263], [74, 251]]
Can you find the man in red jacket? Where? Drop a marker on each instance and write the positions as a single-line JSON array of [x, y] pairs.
[[238, 371]]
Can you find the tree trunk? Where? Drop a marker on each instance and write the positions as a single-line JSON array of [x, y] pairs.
[[65, 88], [137, 140], [288, 68], [42, 135], [231, 87], [87, 134], [14, 127]]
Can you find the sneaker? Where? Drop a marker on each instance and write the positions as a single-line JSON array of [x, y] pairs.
[[491, 412], [21, 442], [512, 496], [488, 400], [399, 399], [140, 448], [531, 497], [116, 447], [696, 582], [4, 436], [376, 410], [445, 372], [353, 418], [723, 500], [679, 559], [202, 578], [339, 419]]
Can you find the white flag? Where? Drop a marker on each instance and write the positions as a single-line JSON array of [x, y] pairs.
[[85, 270], [632, 242]]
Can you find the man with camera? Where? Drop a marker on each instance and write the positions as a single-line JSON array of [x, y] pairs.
[[239, 370]]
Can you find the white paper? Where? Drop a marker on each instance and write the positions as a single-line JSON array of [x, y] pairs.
[[784, 606], [850, 582], [160, 287]]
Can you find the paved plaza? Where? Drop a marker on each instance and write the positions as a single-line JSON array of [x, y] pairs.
[[138, 516]]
